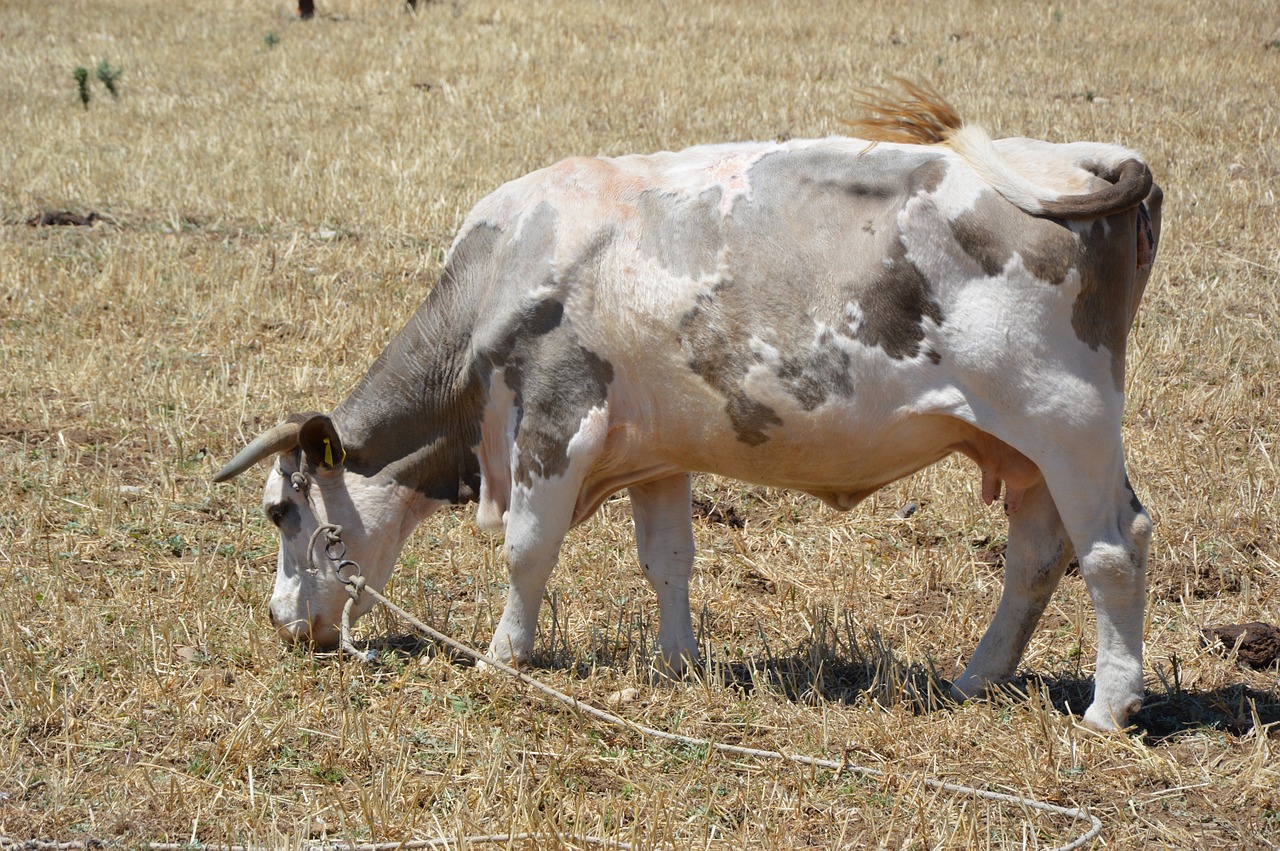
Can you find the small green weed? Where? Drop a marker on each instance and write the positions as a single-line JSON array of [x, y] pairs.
[[109, 76], [200, 765], [329, 774], [82, 84]]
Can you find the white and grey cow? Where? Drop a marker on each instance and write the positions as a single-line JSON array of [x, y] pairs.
[[825, 315]]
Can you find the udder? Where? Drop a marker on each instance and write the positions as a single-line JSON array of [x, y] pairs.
[[1003, 467]]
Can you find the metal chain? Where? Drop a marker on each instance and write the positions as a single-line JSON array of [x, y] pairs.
[[335, 550]]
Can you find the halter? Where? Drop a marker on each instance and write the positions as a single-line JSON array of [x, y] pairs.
[[335, 549]]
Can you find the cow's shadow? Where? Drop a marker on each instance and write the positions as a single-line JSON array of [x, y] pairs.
[[1236, 709], [1167, 713], [849, 671]]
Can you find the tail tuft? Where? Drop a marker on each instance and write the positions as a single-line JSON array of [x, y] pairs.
[[920, 115]]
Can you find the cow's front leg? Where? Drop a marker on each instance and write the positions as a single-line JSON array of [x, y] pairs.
[[539, 517], [1035, 558], [532, 549], [664, 541]]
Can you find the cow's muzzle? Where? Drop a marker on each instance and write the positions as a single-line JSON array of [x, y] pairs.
[[304, 631]]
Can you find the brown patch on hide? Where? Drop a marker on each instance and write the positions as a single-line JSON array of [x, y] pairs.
[[684, 235], [1105, 306], [718, 353], [995, 230], [895, 306], [816, 261]]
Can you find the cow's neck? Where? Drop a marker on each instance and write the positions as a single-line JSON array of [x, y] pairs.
[[415, 414]]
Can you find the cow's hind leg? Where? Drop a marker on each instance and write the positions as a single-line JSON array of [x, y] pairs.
[[1035, 558], [1112, 536], [664, 541]]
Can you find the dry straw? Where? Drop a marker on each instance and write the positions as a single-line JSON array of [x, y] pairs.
[[273, 198]]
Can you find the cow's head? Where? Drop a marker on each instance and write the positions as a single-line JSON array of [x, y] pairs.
[[312, 482]]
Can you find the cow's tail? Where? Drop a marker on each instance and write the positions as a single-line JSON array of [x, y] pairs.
[[921, 116]]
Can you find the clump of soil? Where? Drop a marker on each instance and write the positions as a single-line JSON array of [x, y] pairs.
[[1259, 643], [721, 512]]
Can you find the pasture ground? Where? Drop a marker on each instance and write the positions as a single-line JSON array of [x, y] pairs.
[[275, 197]]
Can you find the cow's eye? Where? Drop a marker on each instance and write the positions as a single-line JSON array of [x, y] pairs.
[[276, 513]]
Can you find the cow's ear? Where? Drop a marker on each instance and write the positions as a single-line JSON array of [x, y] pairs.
[[320, 442]]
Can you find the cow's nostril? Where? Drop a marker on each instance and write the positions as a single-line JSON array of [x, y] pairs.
[[271, 613]]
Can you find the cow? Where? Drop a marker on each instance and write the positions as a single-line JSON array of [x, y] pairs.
[[825, 315]]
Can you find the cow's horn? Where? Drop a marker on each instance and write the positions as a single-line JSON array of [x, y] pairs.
[[278, 439]]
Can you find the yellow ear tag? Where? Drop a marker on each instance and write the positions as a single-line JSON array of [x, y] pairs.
[[328, 453]]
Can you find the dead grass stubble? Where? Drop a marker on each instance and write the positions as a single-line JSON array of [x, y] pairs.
[[273, 208]]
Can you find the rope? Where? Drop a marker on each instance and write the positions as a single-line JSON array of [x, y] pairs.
[[320, 844], [335, 551], [839, 767]]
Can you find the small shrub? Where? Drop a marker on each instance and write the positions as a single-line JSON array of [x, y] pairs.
[[82, 83], [109, 76]]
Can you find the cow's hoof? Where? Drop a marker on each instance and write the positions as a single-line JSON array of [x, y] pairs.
[[501, 655], [1104, 719], [968, 688], [666, 668], [487, 667]]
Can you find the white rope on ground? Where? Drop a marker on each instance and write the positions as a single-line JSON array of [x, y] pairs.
[[839, 767], [318, 844], [356, 586]]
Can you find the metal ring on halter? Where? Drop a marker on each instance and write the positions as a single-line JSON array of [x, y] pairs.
[[357, 573], [355, 584], [335, 549]]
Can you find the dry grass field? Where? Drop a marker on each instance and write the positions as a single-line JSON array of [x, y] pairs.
[[273, 199]]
